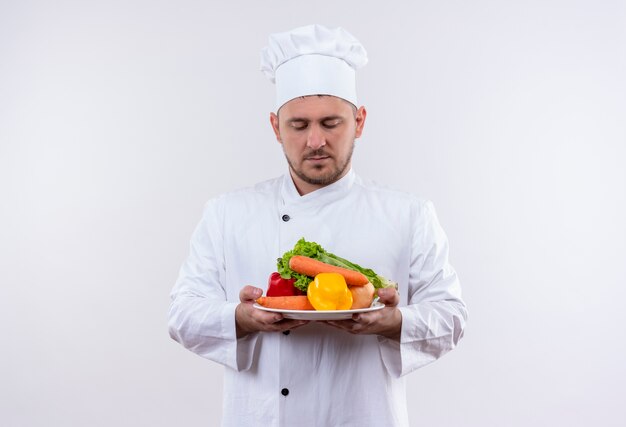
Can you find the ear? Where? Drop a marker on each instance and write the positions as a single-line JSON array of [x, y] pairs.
[[274, 123], [361, 114]]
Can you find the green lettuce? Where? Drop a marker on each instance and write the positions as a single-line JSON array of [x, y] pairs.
[[315, 251]]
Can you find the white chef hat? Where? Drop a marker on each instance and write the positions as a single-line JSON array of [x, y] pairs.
[[313, 60]]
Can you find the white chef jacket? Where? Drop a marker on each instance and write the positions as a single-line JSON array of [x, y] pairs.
[[317, 375]]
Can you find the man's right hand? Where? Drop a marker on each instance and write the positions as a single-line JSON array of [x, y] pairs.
[[249, 319]]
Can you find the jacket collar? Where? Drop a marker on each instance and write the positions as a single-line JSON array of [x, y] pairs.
[[290, 195]]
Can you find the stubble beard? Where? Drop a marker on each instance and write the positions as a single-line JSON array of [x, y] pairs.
[[329, 177]]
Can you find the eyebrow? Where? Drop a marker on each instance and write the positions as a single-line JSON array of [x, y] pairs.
[[323, 119]]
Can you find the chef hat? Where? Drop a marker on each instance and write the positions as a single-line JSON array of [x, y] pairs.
[[313, 60]]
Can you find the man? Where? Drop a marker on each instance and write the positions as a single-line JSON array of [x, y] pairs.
[[282, 372]]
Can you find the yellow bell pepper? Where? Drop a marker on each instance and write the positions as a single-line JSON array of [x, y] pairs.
[[329, 291]]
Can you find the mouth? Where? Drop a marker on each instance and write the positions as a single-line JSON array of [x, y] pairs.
[[318, 156]]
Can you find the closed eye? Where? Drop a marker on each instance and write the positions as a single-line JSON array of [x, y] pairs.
[[331, 123], [298, 124]]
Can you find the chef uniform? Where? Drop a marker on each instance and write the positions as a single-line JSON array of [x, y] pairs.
[[316, 375]]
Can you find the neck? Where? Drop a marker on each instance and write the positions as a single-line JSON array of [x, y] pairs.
[[302, 186]]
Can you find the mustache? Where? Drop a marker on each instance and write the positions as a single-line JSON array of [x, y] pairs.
[[317, 153]]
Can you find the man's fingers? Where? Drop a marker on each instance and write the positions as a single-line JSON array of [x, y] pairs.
[[250, 319], [259, 316], [250, 293], [269, 318], [389, 296], [366, 318]]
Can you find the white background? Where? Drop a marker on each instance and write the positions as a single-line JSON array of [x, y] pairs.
[[119, 119]]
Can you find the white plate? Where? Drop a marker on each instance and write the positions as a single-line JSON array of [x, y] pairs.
[[322, 314]]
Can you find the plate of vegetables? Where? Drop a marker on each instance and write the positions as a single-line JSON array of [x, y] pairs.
[[313, 284]]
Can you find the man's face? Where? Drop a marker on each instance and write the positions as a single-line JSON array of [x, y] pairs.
[[317, 134]]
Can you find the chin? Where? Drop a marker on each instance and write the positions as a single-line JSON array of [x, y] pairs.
[[324, 179]]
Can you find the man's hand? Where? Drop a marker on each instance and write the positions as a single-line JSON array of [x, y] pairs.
[[386, 322], [249, 319]]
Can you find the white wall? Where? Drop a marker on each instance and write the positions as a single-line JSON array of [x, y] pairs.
[[119, 119]]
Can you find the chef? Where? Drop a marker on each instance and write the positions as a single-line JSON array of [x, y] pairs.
[[282, 372]]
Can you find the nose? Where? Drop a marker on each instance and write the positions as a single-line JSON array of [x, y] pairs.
[[315, 138]]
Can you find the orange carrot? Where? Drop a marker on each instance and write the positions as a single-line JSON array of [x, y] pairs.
[[298, 302], [312, 267]]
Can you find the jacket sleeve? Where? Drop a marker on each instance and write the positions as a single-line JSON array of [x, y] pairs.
[[434, 317], [200, 316]]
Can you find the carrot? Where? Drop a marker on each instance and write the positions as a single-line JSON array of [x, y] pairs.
[[312, 267], [298, 302]]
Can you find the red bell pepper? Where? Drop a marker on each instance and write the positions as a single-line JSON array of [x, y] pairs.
[[279, 287]]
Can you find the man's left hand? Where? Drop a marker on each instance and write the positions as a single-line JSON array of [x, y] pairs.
[[386, 322]]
